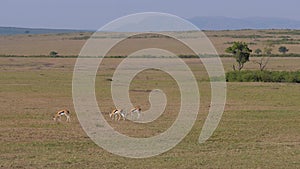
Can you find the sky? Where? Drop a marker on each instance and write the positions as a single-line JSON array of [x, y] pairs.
[[93, 14]]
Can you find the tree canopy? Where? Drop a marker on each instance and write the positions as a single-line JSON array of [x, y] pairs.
[[53, 54], [241, 52], [258, 51], [283, 49]]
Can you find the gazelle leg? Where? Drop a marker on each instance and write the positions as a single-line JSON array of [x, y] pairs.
[[138, 115], [119, 117], [122, 115], [115, 117], [68, 118]]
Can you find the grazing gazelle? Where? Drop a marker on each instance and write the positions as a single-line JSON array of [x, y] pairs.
[[60, 113], [136, 110], [116, 114]]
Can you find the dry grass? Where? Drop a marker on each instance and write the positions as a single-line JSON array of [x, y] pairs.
[[259, 128], [71, 44]]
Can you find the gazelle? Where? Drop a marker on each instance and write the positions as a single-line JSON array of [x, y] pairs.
[[116, 114], [136, 110], [63, 112]]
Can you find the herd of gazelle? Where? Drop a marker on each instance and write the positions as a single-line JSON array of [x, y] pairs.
[[116, 114]]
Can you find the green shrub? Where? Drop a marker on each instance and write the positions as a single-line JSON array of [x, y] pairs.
[[263, 76], [53, 54]]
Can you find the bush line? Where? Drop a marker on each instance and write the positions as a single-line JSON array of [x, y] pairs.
[[263, 76], [180, 56]]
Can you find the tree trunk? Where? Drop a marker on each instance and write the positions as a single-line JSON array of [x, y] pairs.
[[241, 65]]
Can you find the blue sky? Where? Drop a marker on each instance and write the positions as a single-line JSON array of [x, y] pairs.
[[92, 14]]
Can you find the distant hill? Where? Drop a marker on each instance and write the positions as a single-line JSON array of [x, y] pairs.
[[226, 23], [15, 31], [204, 23]]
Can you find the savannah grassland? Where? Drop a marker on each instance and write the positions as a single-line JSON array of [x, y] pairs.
[[70, 44], [259, 128]]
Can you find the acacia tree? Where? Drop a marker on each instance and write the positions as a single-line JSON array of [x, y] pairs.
[[262, 62], [283, 49], [268, 50], [258, 51], [241, 52], [53, 54]]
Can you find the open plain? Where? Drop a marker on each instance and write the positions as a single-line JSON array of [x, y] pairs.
[[259, 128]]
